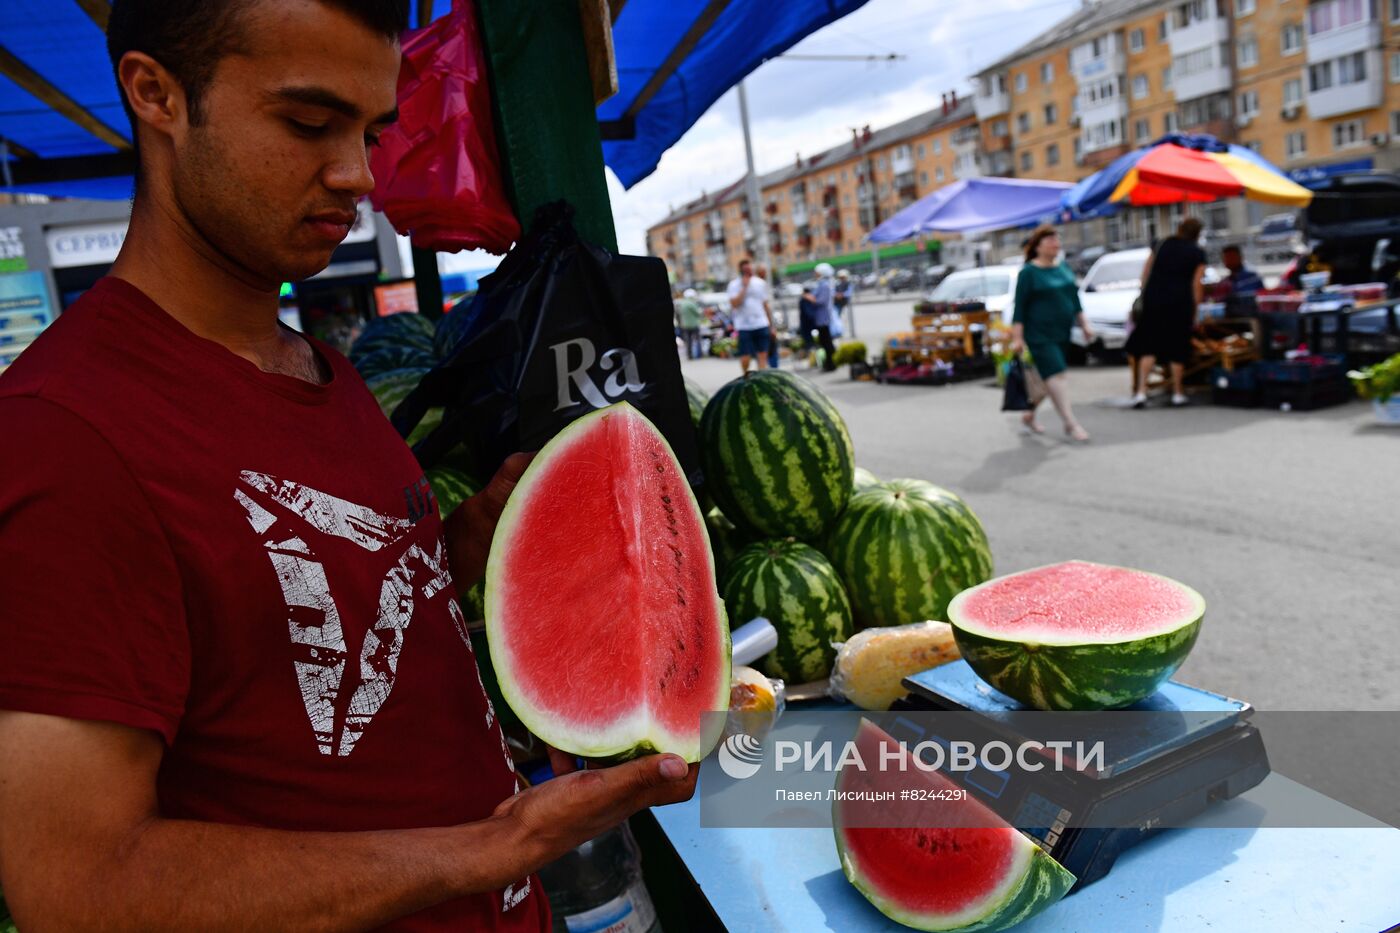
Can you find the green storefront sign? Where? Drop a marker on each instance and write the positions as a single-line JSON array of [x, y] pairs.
[[851, 259]]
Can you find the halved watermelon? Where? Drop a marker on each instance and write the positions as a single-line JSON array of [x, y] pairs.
[[605, 624], [934, 864], [1077, 635]]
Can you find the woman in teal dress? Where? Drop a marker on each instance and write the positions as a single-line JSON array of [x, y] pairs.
[[1047, 306]]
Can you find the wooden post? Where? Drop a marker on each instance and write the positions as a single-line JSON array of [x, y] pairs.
[[546, 122], [427, 283]]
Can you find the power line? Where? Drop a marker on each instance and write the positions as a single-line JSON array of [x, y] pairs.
[[891, 57]]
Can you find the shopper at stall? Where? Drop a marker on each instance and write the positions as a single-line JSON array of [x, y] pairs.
[[1047, 307], [236, 690], [689, 317], [1171, 293], [822, 296], [761, 271], [753, 323]]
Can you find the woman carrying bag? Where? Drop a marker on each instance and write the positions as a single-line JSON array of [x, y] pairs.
[[1047, 307]]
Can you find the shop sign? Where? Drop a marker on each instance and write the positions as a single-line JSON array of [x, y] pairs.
[[85, 245], [391, 299], [12, 258], [1315, 173]]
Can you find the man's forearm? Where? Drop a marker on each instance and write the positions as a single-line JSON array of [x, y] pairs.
[[180, 875]]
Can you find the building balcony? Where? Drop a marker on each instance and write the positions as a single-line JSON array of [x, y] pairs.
[[1349, 98], [1343, 40], [901, 165], [775, 245], [799, 215], [1201, 34], [1102, 111], [990, 102], [834, 234], [967, 138], [1096, 69], [714, 238], [1214, 80], [747, 230], [771, 207], [1001, 163]]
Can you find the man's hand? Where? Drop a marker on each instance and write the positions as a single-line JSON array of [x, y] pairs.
[[470, 528], [561, 814]]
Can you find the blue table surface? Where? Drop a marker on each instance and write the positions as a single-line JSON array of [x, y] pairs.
[[1203, 877]]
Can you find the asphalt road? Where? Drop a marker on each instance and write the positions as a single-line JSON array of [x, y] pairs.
[[1288, 523]]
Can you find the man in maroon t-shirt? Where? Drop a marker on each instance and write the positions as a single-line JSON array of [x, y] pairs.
[[235, 684]]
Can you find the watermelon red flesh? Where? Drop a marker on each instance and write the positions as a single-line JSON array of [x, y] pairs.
[[606, 628], [930, 864], [1077, 635]]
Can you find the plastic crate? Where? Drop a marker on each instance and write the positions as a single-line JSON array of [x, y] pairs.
[[1302, 371], [1306, 396], [1242, 378]]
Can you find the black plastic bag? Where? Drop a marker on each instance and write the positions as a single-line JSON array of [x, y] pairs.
[[1015, 397], [560, 329]]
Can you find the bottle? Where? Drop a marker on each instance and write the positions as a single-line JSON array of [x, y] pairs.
[[597, 888]]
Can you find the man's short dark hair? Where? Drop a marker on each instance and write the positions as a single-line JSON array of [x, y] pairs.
[[189, 37], [1232, 248]]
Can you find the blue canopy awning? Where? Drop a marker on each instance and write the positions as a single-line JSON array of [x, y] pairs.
[[66, 134], [974, 205]]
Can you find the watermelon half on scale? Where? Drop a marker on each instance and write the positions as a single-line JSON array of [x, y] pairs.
[[1077, 635], [941, 861], [605, 625]]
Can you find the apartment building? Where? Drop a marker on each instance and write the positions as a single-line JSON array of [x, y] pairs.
[[820, 207], [1313, 86]]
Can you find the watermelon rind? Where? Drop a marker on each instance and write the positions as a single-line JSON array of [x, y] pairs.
[[1031, 882], [864, 479], [406, 328], [394, 357], [1066, 672], [391, 388], [639, 733], [778, 458], [451, 488], [904, 548], [796, 589], [697, 398]]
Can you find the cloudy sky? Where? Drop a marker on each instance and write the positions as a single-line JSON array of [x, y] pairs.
[[804, 106]]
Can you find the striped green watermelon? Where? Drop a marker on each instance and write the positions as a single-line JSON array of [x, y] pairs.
[[393, 387], [793, 586], [726, 541], [1077, 636], [904, 548], [864, 479], [451, 488], [698, 399], [394, 357], [778, 459], [940, 860], [407, 328]]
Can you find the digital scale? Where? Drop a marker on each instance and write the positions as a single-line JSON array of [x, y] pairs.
[[1156, 772]]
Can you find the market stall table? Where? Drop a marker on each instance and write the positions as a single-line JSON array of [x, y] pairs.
[[1208, 875]]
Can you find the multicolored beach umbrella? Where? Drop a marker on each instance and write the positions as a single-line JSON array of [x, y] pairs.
[[1179, 168]]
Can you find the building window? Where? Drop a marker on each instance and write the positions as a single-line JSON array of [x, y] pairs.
[[880, 164], [921, 150], [1295, 145], [1395, 11], [1021, 83], [1192, 63], [1052, 113], [1292, 37], [1052, 154], [1078, 148], [1026, 161], [1349, 69], [1169, 122], [843, 174], [1254, 145], [1167, 78], [1249, 104], [1293, 92], [1335, 14], [1047, 72], [1394, 67], [938, 175], [999, 128], [1395, 123], [1023, 123], [923, 178], [848, 199], [1244, 7], [1141, 130], [1348, 134], [1140, 87], [1248, 52], [937, 146], [1320, 76], [1137, 41]]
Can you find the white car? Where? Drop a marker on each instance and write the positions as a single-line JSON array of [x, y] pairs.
[[1107, 294], [995, 286]]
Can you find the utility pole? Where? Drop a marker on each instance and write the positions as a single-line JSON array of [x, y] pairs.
[[760, 235]]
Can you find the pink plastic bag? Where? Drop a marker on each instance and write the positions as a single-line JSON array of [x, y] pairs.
[[437, 171]]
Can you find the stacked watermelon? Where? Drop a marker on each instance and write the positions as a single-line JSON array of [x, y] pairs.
[[829, 547]]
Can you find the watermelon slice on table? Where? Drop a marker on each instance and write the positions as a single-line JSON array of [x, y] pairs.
[[1077, 635], [934, 864], [606, 628]]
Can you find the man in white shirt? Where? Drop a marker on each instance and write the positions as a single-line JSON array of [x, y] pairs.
[[748, 296]]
